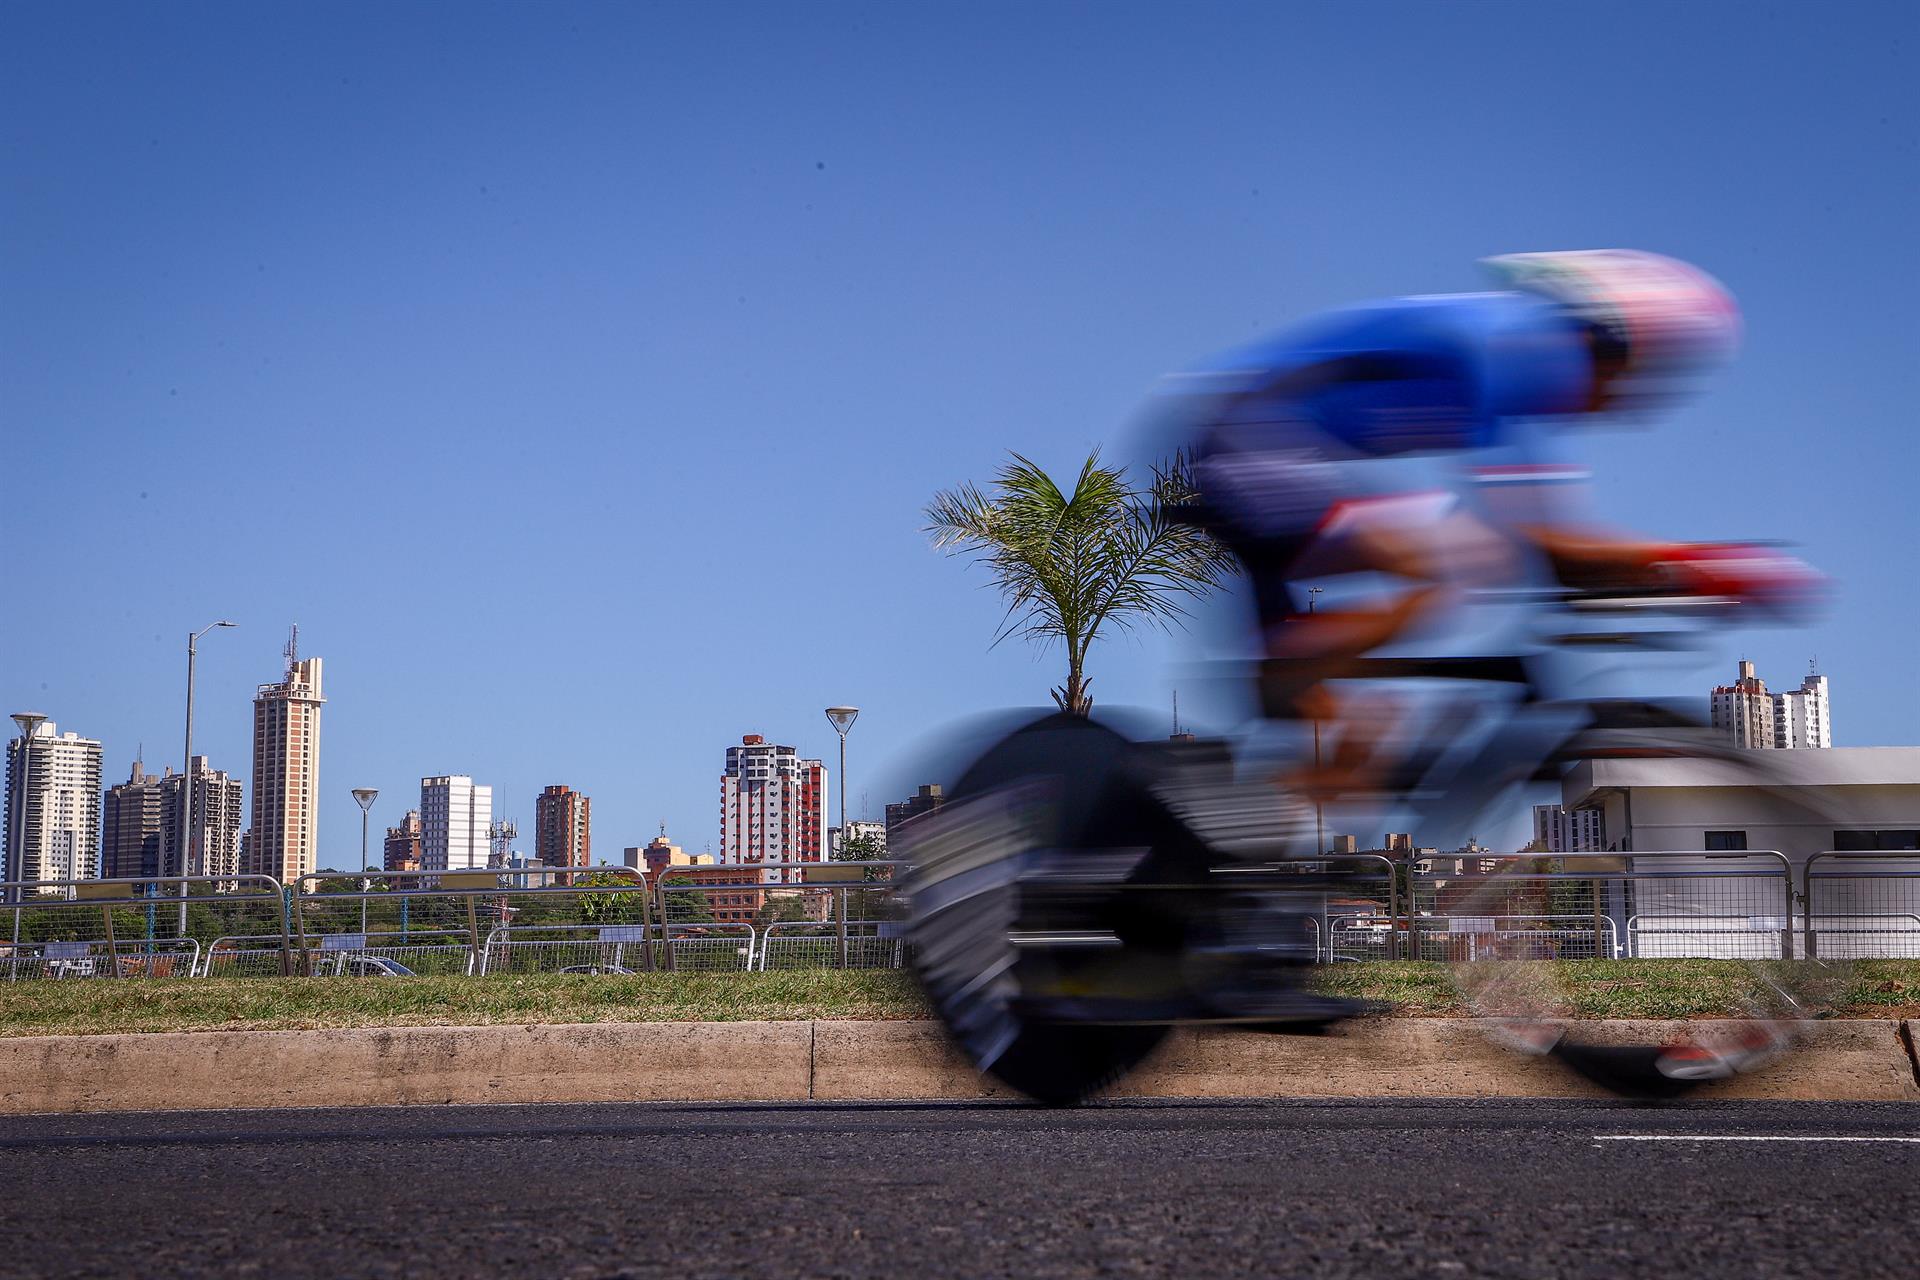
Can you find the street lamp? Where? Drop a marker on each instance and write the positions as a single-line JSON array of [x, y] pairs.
[[29, 722], [842, 718], [186, 768], [1319, 810], [364, 797]]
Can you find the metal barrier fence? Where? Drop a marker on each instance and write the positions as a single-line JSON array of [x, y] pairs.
[[1683, 903], [792, 915], [1861, 905], [801, 915], [440, 921], [131, 928]]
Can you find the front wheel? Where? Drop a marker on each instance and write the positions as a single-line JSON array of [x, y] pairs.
[[1047, 792]]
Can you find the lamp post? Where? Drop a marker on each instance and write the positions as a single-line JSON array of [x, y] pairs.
[[29, 722], [364, 797], [842, 718], [186, 768], [1319, 817]]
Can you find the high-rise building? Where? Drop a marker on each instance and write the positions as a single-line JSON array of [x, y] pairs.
[[1800, 716], [454, 817], [772, 807], [284, 839], [1561, 830], [401, 851], [1743, 710], [214, 848], [53, 807], [130, 826], [562, 828], [926, 800], [1751, 717]]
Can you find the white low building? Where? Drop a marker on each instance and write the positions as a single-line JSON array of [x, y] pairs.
[[1813, 801], [1841, 817]]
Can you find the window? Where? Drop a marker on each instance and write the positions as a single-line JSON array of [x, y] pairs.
[[1726, 841], [1875, 841]]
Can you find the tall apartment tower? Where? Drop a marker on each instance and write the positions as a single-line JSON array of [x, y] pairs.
[[1743, 710], [1751, 717], [53, 808], [284, 839], [401, 851], [772, 807], [1559, 830], [130, 826], [454, 817], [1801, 717], [562, 828], [214, 848]]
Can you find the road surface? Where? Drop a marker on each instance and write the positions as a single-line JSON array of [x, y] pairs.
[[1364, 1189]]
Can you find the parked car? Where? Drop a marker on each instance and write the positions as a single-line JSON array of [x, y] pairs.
[[361, 966]]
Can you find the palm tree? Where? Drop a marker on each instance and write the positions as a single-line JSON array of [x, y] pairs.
[[1070, 563]]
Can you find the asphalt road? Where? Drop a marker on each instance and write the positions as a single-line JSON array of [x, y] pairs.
[[1293, 1188]]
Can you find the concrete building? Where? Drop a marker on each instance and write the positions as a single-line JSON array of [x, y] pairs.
[[454, 816], [661, 853], [871, 834], [772, 807], [53, 807], [562, 828], [130, 826], [1802, 717], [1751, 717], [284, 838], [400, 851], [926, 800], [1840, 798], [214, 846], [1558, 829]]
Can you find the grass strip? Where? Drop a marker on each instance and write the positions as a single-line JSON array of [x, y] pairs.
[[1588, 988]]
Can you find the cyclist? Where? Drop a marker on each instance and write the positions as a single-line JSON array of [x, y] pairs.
[[1298, 441]]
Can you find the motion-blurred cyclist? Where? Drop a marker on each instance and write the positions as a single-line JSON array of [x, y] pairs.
[[1301, 444]]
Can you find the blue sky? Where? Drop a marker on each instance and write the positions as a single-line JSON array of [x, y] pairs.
[[574, 375]]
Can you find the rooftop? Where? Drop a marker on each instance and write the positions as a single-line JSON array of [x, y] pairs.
[[1812, 767]]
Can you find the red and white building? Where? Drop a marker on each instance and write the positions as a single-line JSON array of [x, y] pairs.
[[773, 808]]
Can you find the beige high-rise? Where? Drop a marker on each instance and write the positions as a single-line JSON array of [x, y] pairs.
[[285, 840]]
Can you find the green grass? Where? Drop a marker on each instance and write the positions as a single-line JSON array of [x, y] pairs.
[[1589, 988]]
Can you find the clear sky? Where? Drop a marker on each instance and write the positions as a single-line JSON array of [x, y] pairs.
[[574, 374]]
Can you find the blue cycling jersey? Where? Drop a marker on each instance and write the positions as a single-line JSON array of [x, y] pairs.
[[1408, 375]]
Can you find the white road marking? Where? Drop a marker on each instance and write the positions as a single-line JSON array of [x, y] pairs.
[[1720, 1137]]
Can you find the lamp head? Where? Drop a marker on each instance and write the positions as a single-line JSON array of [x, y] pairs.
[[842, 718], [364, 796]]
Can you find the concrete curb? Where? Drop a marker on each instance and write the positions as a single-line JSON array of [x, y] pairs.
[[1867, 1060]]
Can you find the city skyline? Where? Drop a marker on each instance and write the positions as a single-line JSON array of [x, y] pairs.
[[538, 380]]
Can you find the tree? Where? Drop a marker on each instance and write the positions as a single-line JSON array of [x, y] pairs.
[[865, 847], [1068, 564]]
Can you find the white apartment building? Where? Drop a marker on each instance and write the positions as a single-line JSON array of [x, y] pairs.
[[454, 817], [875, 832], [1558, 829], [53, 807], [1801, 716], [284, 840], [1751, 717], [772, 807]]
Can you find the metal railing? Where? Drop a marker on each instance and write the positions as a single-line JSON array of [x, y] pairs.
[[1857, 906], [1750, 905], [131, 927]]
